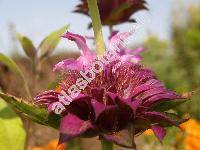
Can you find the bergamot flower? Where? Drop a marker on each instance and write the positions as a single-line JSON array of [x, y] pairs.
[[113, 96]]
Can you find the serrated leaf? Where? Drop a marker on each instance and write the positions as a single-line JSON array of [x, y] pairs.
[[166, 105], [50, 42], [12, 134], [25, 107], [27, 46], [33, 112]]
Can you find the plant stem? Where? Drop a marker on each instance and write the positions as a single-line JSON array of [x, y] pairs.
[[110, 29], [74, 144], [27, 89], [96, 23], [105, 145]]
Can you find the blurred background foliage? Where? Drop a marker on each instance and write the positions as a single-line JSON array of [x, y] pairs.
[[176, 62]]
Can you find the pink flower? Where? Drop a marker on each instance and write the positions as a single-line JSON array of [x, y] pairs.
[[116, 103]]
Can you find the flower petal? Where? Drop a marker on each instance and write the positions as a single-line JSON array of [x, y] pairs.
[[161, 97], [81, 43], [158, 117], [68, 64], [136, 51], [111, 95], [131, 58], [150, 84], [133, 52], [127, 105], [84, 60], [46, 98], [159, 132], [81, 107], [151, 92], [98, 108], [112, 119], [71, 126], [117, 41], [127, 55], [121, 138]]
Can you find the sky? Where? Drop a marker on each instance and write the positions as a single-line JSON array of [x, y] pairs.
[[37, 18]]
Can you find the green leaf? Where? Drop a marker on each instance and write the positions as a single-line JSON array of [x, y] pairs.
[[12, 134], [50, 42], [11, 64], [166, 105], [179, 120], [15, 69], [33, 112], [25, 107], [28, 46]]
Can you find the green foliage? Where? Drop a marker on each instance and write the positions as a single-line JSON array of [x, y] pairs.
[[167, 105], [44, 50], [50, 42], [173, 140], [12, 134], [177, 62], [74, 144], [31, 111], [15, 69], [186, 42], [106, 145], [11, 64], [28, 46]]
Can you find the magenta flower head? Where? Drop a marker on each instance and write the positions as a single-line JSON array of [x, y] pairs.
[[113, 12], [113, 97]]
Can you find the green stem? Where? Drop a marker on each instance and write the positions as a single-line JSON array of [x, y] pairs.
[[105, 145], [96, 23], [27, 89], [74, 144]]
